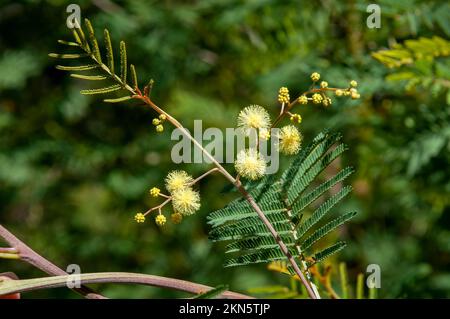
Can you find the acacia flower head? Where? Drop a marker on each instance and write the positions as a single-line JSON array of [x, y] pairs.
[[159, 128], [296, 118], [290, 140], [186, 201], [317, 98], [339, 92], [303, 99], [139, 218], [176, 218], [315, 76], [253, 116], [178, 180], [326, 101], [324, 84], [154, 192], [162, 117], [353, 83], [160, 220], [283, 95], [156, 122], [250, 164]]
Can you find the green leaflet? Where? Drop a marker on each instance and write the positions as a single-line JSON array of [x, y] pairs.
[[321, 232], [68, 56], [323, 209], [304, 201], [260, 256], [78, 68], [69, 43], [109, 51], [283, 201], [89, 45], [118, 100], [88, 77], [93, 41], [134, 80], [327, 252], [104, 90], [123, 62]]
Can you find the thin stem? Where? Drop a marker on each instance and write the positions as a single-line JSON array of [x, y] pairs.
[[60, 277], [212, 170], [241, 189], [158, 207], [16, 286], [31, 257]]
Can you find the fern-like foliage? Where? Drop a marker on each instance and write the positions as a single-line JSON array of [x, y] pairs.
[[285, 201], [92, 61], [420, 62]]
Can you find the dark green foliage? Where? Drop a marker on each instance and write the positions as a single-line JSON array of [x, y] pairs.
[[251, 241]]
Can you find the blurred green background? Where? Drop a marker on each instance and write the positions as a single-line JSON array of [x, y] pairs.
[[74, 170]]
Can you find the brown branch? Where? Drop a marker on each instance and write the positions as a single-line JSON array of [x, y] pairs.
[[24, 285], [28, 255], [33, 258]]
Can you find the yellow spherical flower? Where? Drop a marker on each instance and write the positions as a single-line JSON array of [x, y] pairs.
[[178, 180], [353, 83], [154, 192], [160, 220], [296, 118], [139, 218], [253, 116], [324, 84], [326, 102], [303, 99], [162, 117], [156, 122], [317, 98], [159, 128], [290, 140], [283, 95], [186, 201], [339, 92], [250, 164], [355, 95], [176, 218], [315, 76]]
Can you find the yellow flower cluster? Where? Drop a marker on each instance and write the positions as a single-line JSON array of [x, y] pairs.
[[176, 218], [154, 192], [184, 199], [160, 220], [296, 118], [317, 98], [250, 164], [290, 140], [253, 117], [158, 123], [315, 76], [303, 99], [139, 218], [283, 95]]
